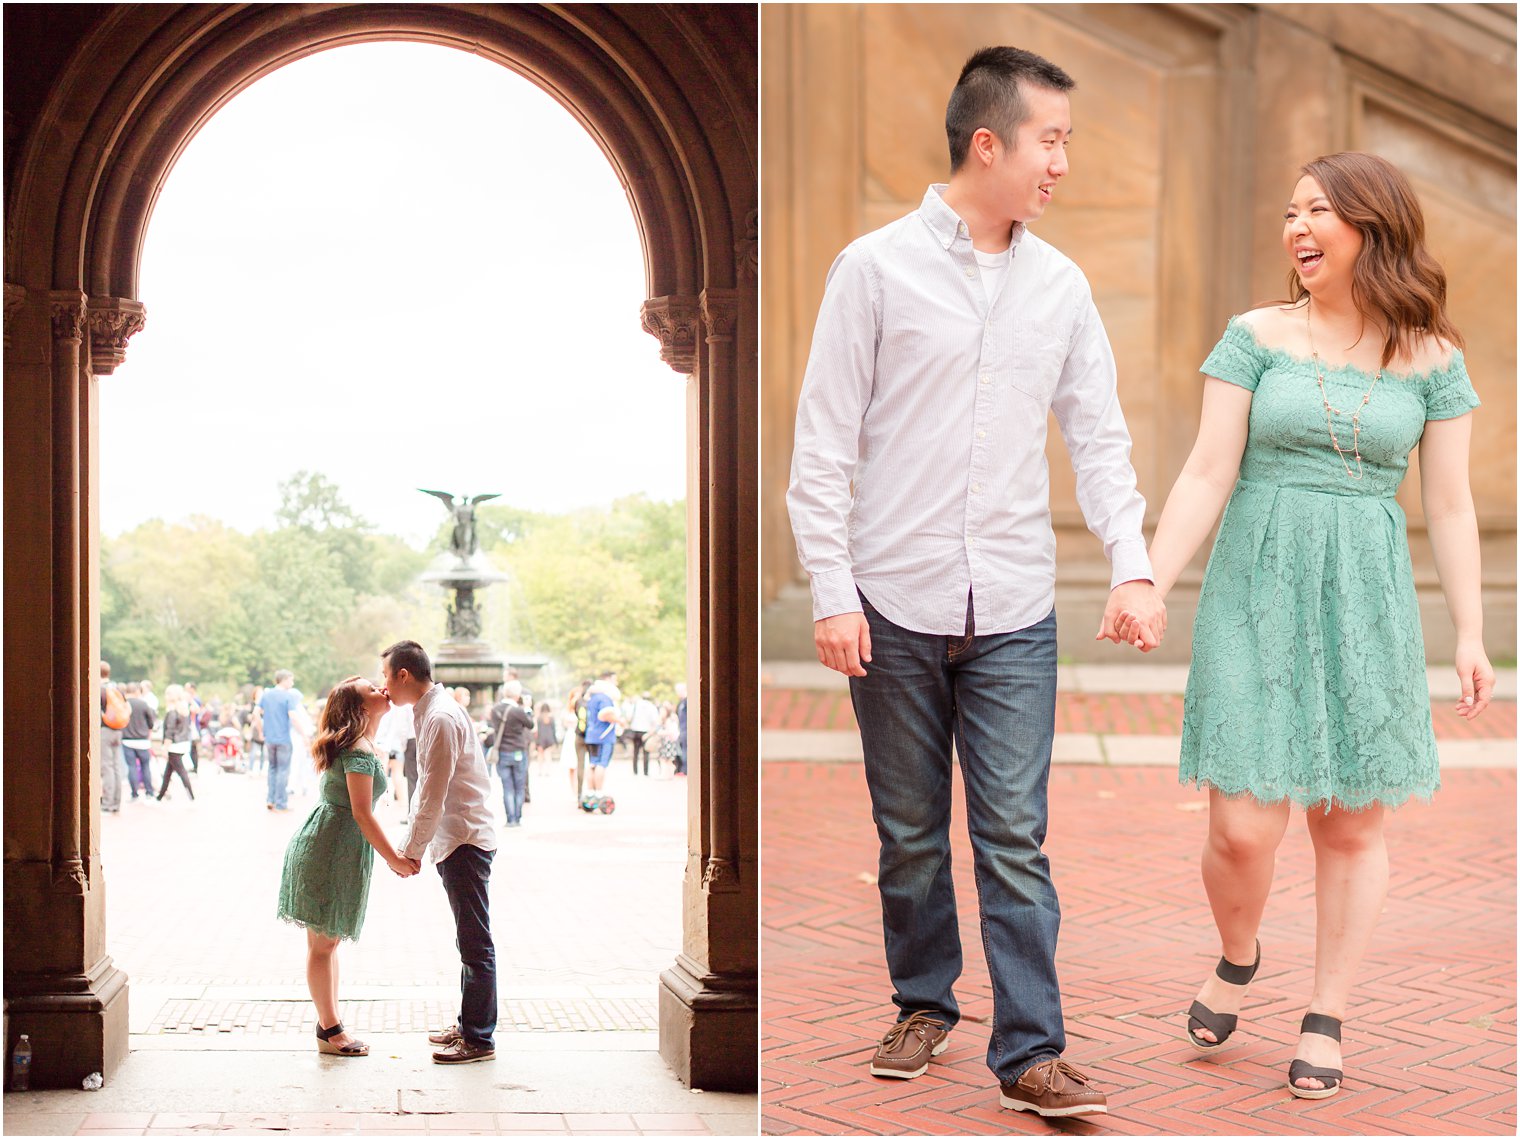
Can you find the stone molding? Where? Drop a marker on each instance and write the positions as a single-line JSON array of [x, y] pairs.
[[15, 297], [113, 321], [67, 307], [720, 876], [747, 248], [673, 321], [720, 313]]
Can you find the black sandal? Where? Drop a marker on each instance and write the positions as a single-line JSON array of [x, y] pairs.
[[1316, 1022], [324, 1044], [1221, 1024]]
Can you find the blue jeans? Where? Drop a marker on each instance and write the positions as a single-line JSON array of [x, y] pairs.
[[279, 774], [994, 696], [512, 766], [466, 875], [139, 769]]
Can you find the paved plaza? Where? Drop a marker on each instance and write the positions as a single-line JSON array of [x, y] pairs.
[[1429, 1044], [586, 912]]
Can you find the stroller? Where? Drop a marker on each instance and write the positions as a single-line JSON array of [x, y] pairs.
[[228, 749]]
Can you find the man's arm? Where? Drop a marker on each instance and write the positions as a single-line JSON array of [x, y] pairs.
[[836, 390], [1086, 406], [435, 768]]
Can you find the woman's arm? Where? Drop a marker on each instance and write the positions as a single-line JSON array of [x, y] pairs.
[[360, 791], [1446, 496], [1204, 485]]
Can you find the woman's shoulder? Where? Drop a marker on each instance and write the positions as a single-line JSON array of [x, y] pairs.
[[1430, 356], [1270, 326]]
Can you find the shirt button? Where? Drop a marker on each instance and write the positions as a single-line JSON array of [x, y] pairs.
[[970, 272], [970, 541], [976, 488], [985, 378], [981, 434]]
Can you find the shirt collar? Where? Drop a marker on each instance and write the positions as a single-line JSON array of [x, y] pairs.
[[425, 701], [946, 224]]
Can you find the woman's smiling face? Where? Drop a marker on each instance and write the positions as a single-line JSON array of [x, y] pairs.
[[1322, 246]]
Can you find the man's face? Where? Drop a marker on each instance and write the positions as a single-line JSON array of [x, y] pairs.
[[1026, 174], [398, 684]]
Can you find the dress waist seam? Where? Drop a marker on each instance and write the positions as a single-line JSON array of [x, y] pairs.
[[1319, 493]]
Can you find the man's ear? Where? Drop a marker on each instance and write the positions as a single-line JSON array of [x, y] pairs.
[[984, 146]]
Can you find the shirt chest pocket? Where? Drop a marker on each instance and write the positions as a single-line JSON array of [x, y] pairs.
[[1036, 356]]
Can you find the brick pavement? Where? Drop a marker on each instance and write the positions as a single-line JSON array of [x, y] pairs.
[[586, 911], [1430, 1045]]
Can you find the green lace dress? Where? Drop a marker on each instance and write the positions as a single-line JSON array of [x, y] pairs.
[[328, 863], [1308, 675]]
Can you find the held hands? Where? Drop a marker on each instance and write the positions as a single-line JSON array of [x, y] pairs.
[[1477, 677], [403, 866], [1135, 615], [843, 642]]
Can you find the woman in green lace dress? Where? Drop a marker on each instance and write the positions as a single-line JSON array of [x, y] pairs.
[[325, 886], [1308, 681]]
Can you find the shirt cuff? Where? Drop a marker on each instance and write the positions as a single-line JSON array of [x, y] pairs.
[[1131, 563], [834, 593]]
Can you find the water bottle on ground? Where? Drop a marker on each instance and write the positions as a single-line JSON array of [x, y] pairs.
[[21, 1064]]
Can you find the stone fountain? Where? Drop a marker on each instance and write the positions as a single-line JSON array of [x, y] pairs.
[[465, 657]]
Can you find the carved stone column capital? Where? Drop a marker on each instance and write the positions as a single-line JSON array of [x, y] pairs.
[[720, 876], [674, 321], [113, 321], [720, 313], [15, 297], [747, 248], [68, 310]]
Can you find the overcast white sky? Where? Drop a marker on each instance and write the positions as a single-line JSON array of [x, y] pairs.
[[401, 266]]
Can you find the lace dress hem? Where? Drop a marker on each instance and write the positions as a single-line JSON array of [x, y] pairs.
[[1310, 800]]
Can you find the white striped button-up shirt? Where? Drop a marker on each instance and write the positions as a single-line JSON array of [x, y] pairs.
[[918, 468], [452, 808]]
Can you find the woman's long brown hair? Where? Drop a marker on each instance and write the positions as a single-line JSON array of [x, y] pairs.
[[343, 722], [1395, 279]]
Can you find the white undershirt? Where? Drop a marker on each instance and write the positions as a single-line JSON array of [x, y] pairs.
[[994, 268]]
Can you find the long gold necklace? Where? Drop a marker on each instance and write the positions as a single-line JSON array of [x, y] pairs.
[[1331, 412]]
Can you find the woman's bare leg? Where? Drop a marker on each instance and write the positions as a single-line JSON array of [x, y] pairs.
[[322, 981], [1239, 858], [1350, 885]]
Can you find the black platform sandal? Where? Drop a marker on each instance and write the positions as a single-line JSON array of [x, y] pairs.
[[1221, 1024], [324, 1042], [1324, 1025]]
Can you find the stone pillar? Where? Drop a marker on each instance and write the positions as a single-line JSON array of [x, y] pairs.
[[709, 1004], [60, 987]]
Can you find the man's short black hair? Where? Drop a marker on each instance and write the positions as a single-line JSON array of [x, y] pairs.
[[987, 95], [410, 656]]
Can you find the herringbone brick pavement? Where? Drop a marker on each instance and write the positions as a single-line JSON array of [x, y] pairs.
[[1107, 713], [1429, 1045]]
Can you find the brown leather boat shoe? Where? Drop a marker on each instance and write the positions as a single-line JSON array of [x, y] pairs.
[[1053, 1088], [445, 1036], [461, 1051], [905, 1050]]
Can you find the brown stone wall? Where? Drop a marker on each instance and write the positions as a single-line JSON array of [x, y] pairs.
[[1190, 124]]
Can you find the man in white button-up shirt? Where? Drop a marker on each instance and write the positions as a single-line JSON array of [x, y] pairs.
[[920, 503], [452, 820]]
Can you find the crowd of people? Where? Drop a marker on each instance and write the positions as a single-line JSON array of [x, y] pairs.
[[362, 739], [269, 731]]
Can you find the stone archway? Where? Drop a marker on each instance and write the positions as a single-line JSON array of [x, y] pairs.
[[101, 100]]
